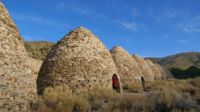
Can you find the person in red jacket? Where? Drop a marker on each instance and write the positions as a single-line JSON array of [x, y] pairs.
[[115, 83]]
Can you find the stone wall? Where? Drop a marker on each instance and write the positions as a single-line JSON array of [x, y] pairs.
[[17, 84]]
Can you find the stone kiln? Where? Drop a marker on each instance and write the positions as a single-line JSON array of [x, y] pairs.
[[17, 84], [80, 61]]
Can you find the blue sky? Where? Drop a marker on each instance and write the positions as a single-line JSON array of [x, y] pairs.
[[149, 28]]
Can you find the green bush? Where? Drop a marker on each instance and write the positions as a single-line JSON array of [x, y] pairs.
[[191, 72]]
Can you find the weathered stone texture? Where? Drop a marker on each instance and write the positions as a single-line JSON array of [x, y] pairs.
[[80, 61], [128, 69], [132, 68], [158, 72], [169, 75], [35, 66], [147, 72], [16, 84]]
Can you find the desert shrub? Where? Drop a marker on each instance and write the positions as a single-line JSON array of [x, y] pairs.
[[172, 95], [163, 96], [38, 105], [100, 98], [132, 103], [168, 100], [61, 99], [195, 82], [136, 87]]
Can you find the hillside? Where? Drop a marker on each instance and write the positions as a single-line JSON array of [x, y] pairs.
[[38, 49], [181, 61], [191, 72], [155, 60]]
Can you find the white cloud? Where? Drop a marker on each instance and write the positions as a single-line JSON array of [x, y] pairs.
[[190, 26], [38, 19], [26, 17], [130, 25], [182, 41], [135, 12], [75, 7], [170, 14], [175, 13], [197, 17]]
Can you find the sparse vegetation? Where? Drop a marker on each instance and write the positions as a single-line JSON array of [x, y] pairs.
[[191, 72], [183, 65], [162, 96], [61, 99], [181, 61], [132, 87], [38, 49]]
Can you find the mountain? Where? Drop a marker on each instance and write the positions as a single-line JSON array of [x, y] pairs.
[[38, 49], [181, 60], [155, 60]]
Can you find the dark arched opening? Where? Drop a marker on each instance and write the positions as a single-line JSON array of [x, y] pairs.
[[115, 83], [143, 82]]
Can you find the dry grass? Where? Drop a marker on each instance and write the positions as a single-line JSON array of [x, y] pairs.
[[134, 87], [132, 103], [61, 99], [38, 49], [176, 95], [162, 96]]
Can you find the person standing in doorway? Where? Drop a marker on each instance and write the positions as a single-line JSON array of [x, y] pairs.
[[115, 83]]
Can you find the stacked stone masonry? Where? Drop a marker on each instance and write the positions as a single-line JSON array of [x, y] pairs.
[[128, 68], [17, 84], [79, 61], [132, 68]]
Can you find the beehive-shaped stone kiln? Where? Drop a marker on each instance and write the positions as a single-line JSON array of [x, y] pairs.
[[79, 60], [17, 84], [128, 69]]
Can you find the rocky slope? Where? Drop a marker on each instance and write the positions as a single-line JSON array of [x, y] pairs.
[[17, 84], [80, 61]]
